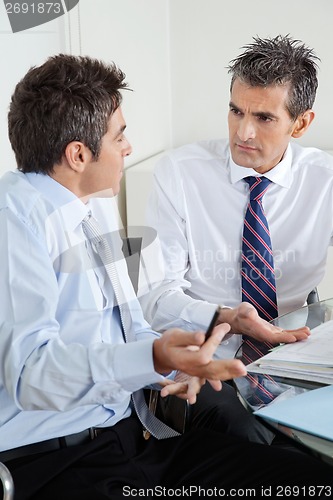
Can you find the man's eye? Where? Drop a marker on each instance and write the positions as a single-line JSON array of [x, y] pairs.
[[265, 118], [235, 111]]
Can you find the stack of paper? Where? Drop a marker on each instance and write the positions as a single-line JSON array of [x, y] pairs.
[[310, 411], [311, 359]]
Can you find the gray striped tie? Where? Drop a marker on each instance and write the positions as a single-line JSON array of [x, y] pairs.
[[94, 234]]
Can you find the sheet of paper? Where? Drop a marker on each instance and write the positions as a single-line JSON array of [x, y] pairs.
[[311, 412], [309, 360], [309, 376], [317, 349]]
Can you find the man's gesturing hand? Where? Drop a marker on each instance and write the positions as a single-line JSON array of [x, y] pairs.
[[188, 352]]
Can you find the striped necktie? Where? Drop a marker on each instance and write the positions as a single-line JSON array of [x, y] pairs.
[[91, 229], [258, 280], [257, 269]]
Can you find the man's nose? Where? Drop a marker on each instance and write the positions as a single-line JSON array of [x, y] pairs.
[[128, 149], [246, 129]]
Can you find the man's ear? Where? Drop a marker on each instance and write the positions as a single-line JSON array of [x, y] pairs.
[[302, 123], [77, 155]]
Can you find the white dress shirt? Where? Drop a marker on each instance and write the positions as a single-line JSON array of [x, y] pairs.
[[197, 208], [64, 364]]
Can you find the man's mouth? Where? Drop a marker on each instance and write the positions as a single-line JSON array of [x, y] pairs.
[[245, 147]]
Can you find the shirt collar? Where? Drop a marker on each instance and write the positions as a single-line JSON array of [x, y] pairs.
[[281, 174], [72, 209]]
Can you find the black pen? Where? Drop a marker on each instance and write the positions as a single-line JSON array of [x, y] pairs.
[[213, 322]]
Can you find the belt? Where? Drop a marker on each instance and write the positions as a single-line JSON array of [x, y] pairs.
[[52, 444]]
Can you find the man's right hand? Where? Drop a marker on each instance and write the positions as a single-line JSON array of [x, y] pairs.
[[189, 352]]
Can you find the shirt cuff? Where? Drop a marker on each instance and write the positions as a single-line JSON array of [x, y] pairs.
[[134, 365], [202, 314]]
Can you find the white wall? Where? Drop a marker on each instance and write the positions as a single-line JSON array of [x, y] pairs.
[[206, 35], [18, 52], [134, 34]]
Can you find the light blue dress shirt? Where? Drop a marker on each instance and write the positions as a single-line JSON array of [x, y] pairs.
[[64, 365]]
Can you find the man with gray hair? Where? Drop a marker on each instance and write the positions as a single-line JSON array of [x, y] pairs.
[[203, 213]]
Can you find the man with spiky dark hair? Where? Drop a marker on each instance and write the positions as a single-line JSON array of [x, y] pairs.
[[202, 191], [199, 197]]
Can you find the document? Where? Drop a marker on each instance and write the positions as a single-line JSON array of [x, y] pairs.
[[311, 412], [311, 359]]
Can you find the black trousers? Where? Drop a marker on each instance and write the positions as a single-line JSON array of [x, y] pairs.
[[222, 411], [120, 464]]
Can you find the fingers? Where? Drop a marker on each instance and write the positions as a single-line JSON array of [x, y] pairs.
[[220, 369], [227, 369], [221, 330], [175, 388], [289, 336], [187, 391], [215, 384], [301, 333], [195, 362], [182, 377], [165, 382], [171, 351]]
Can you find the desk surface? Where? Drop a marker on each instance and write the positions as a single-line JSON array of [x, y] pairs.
[[256, 395]]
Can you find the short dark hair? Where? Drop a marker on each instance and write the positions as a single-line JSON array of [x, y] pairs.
[[68, 98], [279, 61]]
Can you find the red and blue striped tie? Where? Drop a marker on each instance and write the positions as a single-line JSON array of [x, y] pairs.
[[258, 282], [257, 268]]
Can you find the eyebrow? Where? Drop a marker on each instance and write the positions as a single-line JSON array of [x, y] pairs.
[[266, 114], [120, 131]]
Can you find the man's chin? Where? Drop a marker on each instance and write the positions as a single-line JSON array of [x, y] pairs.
[[243, 160]]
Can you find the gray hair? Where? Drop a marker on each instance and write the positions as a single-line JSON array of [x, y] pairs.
[[279, 61]]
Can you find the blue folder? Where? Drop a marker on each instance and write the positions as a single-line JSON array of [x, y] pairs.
[[310, 412]]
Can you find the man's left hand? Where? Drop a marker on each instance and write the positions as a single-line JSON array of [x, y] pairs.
[[245, 319], [186, 387]]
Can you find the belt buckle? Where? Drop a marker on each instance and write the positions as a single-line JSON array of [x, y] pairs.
[[146, 434]]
